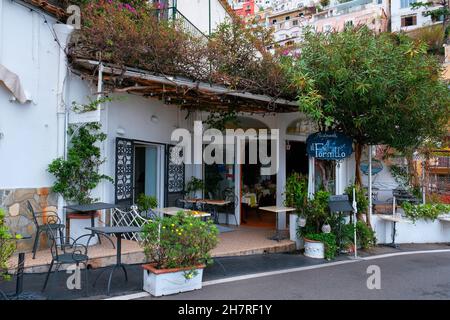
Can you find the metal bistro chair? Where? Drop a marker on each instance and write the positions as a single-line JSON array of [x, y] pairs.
[[229, 209], [53, 223], [68, 252]]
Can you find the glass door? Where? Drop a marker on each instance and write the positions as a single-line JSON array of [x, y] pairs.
[[148, 171]]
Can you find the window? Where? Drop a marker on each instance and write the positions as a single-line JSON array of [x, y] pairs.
[[295, 22], [327, 28], [287, 18], [274, 21], [348, 24], [406, 3], [409, 21]]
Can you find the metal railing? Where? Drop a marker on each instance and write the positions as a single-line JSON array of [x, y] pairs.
[[172, 14], [344, 8], [440, 162]]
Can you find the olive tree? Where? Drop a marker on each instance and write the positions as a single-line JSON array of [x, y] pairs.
[[375, 88]]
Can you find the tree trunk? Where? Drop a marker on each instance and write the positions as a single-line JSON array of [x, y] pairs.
[[358, 153], [412, 170], [358, 180]]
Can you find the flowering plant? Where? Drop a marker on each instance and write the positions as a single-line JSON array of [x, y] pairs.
[[179, 241], [7, 246]]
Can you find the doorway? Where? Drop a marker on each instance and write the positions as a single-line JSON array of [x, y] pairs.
[[296, 158], [148, 171], [258, 190]]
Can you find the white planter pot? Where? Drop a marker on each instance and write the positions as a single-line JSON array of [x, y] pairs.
[[314, 249], [170, 281]]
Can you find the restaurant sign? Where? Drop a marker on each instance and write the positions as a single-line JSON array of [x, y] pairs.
[[329, 146]]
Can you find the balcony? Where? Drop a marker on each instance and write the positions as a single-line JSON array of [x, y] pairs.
[[172, 14], [344, 8], [440, 165]]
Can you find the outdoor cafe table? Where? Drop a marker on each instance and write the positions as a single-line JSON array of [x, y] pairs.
[[278, 236], [172, 211], [118, 232], [394, 219], [211, 202], [87, 210]]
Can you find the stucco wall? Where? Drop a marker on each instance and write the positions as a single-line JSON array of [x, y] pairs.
[[197, 11], [27, 48]]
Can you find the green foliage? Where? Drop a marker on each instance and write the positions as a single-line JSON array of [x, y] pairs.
[[195, 184], [146, 203], [91, 106], [362, 203], [328, 239], [427, 211], [219, 120], [376, 89], [296, 192], [435, 12], [7, 246], [179, 241], [316, 213], [400, 175], [78, 175], [364, 235]]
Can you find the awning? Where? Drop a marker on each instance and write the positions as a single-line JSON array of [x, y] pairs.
[[12, 83]]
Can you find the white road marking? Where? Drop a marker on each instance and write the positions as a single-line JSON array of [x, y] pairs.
[[284, 271], [130, 296]]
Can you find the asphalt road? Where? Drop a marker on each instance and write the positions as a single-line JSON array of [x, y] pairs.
[[416, 276]]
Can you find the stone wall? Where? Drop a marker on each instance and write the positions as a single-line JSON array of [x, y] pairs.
[[19, 219]]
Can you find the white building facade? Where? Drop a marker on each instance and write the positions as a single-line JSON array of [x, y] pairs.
[[33, 133], [406, 18]]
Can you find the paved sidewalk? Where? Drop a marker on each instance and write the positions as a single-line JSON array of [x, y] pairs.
[[224, 267]]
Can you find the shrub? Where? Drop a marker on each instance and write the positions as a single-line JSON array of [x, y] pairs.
[[179, 241], [7, 246], [429, 211], [364, 235]]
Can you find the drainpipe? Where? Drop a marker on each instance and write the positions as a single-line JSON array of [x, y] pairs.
[[62, 33], [209, 17]]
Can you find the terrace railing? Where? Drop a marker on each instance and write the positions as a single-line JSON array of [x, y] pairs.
[[172, 14]]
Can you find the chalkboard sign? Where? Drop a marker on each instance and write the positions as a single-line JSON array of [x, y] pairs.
[[329, 146]]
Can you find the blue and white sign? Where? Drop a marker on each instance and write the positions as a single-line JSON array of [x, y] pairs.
[[329, 146]]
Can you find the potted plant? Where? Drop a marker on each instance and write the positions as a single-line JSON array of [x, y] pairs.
[[77, 175], [296, 196], [178, 249], [318, 239], [194, 185], [145, 203], [320, 245]]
